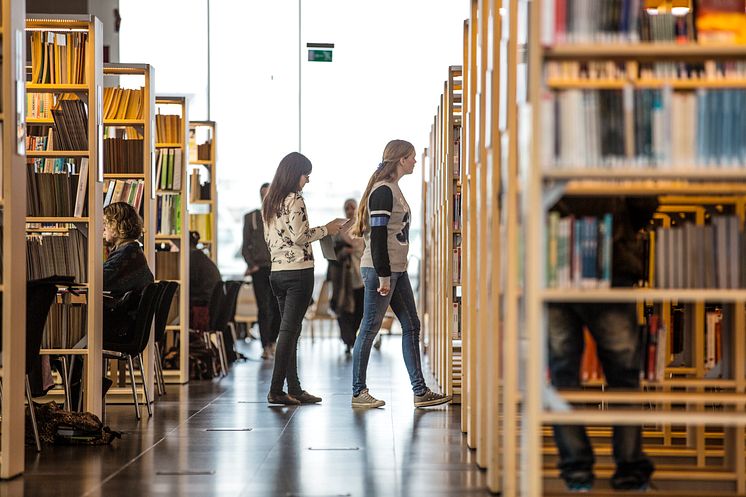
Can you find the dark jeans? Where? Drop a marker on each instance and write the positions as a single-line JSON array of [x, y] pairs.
[[349, 322], [401, 300], [293, 290], [266, 303], [614, 328]]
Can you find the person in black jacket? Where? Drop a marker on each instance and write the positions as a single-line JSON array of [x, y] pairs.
[[259, 265], [204, 275], [126, 274], [614, 328]]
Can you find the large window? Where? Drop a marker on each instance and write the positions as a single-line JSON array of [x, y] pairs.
[[390, 60]]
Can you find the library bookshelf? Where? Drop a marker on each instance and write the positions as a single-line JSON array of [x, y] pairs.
[[13, 269], [79, 79], [443, 216], [172, 234], [203, 189], [692, 415], [129, 117]]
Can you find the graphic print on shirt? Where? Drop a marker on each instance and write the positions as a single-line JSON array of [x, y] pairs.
[[403, 236]]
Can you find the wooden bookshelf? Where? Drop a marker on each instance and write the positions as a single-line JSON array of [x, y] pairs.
[[90, 93], [201, 133], [177, 105], [442, 214], [681, 416], [13, 212], [137, 76]]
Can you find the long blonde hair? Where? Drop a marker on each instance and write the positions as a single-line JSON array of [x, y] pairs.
[[393, 153]]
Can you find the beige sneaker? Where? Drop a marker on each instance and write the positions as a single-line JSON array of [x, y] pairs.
[[430, 398], [364, 399]]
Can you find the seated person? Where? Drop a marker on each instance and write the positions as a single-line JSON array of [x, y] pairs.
[[204, 275], [126, 274]]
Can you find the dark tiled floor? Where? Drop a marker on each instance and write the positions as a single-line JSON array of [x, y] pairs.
[[312, 451]]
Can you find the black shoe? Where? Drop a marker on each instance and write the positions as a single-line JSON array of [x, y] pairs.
[[282, 399], [578, 481], [630, 482], [305, 398]]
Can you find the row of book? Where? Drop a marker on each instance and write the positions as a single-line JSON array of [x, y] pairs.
[[204, 150], [168, 169], [457, 265], [66, 322], [197, 189], [579, 251], [457, 152], [609, 21], [61, 254], [202, 224], [70, 123], [123, 156], [456, 321], [57, 193], [168, 128], [58, 58], [130, 191], [645, 128], [166, 265], [39, 105], [121, 103], [709, 71], [698, 256], [168, 217]]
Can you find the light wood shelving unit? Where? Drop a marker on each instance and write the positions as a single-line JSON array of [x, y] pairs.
[[13, 212], [144, 75], [91, 93], [177, 105], [204, 130], [442, 214]]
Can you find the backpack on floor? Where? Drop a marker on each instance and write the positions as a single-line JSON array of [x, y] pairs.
[[60, 427], [203, 357]]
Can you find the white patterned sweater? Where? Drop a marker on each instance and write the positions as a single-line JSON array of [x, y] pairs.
[[289, 236]]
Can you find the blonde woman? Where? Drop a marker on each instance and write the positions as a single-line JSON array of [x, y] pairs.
[[382, 220], [289, 236]]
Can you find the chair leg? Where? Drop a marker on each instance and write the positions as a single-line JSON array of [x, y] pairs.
[[223, 352], [145, 386], [131, 365], [33, 415], [159, 370], [66, 384]]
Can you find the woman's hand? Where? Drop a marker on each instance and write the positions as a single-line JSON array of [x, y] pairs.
[[384, 285], [333, 227]]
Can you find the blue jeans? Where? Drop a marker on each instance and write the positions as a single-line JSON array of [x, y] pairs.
[[614, 328], [401, 300]]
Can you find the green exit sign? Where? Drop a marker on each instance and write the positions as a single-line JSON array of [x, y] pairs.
[[320, 55], [320, 52]]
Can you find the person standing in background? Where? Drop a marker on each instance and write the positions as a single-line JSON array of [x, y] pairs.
[[348, 289], [289, 236], [256, 255]]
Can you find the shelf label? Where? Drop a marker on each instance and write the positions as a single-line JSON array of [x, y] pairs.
[[315, 55]]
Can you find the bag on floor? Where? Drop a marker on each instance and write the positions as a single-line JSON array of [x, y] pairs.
[[203, 357], [60, 427]]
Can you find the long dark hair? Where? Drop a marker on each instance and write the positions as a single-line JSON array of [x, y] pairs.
[[286, 180]]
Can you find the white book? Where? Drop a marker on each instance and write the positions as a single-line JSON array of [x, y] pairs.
[[177, 169], [82, 188]]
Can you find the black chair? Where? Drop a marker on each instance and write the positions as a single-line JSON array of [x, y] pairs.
[[161, 317], [40, 295], [136, 340], [228, 318], [219, 323]]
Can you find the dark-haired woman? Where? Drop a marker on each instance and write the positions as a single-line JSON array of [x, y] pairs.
[[383, 218], [289, 237]]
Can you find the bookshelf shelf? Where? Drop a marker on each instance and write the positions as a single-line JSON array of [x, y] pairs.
[[125, 176], [70, 220], [64, 351], [635, 417], [609, 84], [646, 172], [39, 120], [57, 153], [201, 202], [595, 188], [201, 162], [635, 295], [642, 51], [173, 327], [124, 122], [56, 88], [166, 129]]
